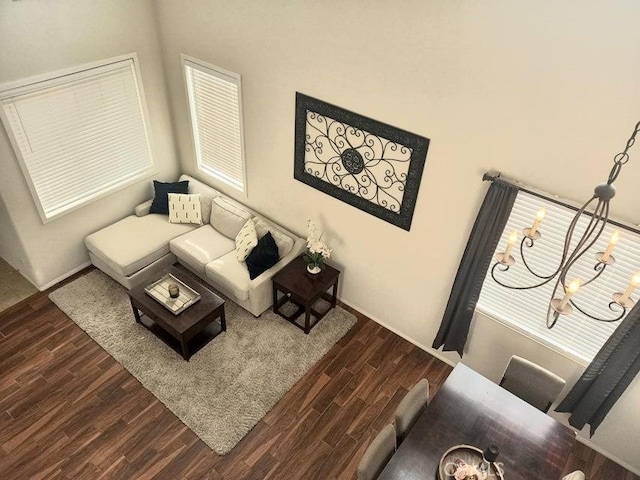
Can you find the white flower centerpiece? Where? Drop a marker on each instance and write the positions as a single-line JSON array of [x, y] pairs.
[[317, 250], [463, 471]]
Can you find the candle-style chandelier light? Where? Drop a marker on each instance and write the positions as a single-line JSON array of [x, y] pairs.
[[599, 216]]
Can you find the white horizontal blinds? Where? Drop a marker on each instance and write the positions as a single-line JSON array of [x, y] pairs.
[[576, 334], [80, 135], [214, 102]]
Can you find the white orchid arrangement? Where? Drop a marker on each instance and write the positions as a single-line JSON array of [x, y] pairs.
[[317, 250]]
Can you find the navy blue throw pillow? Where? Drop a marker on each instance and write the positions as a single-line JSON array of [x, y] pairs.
[[161, 200], [263, 256]]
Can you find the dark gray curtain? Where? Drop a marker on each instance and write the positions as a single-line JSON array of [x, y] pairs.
[[482, 242], [607, 377]]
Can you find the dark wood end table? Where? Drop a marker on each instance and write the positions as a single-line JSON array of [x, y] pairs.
[[304, 289], [189, 331]]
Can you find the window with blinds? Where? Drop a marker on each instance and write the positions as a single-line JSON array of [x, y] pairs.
[[80, 134], [576, 334], [215, 107]]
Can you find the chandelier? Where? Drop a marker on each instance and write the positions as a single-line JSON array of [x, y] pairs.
[[597, 208]]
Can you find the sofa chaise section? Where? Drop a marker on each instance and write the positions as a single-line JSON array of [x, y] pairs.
[[134, 247]]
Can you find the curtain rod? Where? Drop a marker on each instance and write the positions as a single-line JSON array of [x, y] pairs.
[[493, 175]]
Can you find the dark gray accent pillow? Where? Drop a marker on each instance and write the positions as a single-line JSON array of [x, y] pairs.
[[263, 256], [160, 202]]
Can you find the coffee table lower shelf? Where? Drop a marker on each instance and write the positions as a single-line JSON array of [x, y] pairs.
[[193, 345]]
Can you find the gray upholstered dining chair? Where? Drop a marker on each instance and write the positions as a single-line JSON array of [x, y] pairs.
[[577, 475], [377, 454], [410, 408], [532, 383]]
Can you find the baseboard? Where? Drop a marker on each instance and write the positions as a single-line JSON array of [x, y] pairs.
[[429, 350], [62, 277], [448, 361], [613, 458]]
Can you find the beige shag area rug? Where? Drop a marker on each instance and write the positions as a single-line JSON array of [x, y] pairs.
[[229, 385]]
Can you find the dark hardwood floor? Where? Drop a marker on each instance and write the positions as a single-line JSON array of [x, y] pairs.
[[69, 411]]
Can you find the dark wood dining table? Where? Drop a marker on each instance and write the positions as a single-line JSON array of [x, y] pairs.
[[472, 410]]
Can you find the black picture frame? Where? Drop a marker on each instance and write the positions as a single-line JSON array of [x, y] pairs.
[[370, 165]]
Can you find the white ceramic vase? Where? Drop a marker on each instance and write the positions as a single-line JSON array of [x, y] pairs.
[[313, 269]]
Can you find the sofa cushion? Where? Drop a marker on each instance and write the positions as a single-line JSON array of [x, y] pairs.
[[160, 200], [134, 242], [284, 242], [201, 246], [228, 217], [185, 208], [205, 208], [263, 256], [230, 274], [246, 240]]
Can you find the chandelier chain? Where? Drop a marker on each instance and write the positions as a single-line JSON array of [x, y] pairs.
[[623, 157]]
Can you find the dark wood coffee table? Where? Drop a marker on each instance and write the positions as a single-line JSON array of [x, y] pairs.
[[304, 289], [189, 331]]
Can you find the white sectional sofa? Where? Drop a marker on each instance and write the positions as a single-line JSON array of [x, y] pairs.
[[140, 246]]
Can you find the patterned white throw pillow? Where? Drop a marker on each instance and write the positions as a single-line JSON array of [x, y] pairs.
[[246, 240], [185, 208]]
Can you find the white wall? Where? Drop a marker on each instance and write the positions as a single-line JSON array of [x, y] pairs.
[[544, 91], [39, 37], [11, 249]]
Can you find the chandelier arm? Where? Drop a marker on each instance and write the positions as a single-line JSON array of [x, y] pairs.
[[512, 287], [572, 227], [580, 248], [529, 243], [565, 250], [578, 251], [593, 317], [552, 317], [599, 268], [562, 268]]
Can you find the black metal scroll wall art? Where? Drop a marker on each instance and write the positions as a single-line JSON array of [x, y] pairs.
[[371, 165]]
